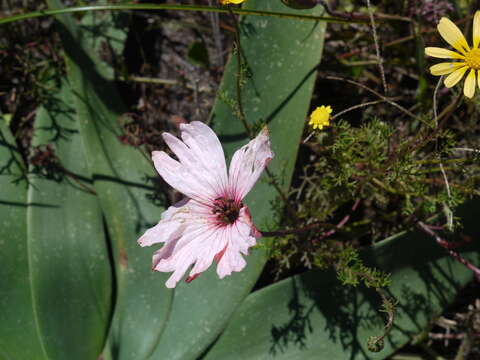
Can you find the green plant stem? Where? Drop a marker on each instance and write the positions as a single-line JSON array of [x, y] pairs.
[[148, 80], [241, 113], [389, 305], [291, 211], [387, 188], [439, 161], [243, 118], [438, 169], [390, 310], [311, 227], [137, 7], [166, 82]]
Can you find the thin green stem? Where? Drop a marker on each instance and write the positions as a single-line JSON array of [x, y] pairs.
[[439, 161], [441, 169], [241, 114], [238, 49], [139, 7]]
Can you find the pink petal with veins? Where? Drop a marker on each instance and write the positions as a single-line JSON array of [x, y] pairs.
[[248, 163]]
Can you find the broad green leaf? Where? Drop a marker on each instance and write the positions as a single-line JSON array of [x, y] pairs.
[[19, 338], [311, 314], [122, 177], [71, 272], [105, 34], [278, 92]]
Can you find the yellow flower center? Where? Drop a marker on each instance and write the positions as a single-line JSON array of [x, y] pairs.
[[473, 59]]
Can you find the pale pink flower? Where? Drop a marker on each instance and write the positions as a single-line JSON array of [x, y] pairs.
[[211, 223]]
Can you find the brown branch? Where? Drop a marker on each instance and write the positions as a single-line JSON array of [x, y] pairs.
[[443, 243], [315, 226], [341, 223], [312, 227]]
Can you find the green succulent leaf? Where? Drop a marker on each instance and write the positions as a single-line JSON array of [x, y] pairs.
[[19, 337], [313, 313], [271, 47], [71, 274], [123, 181]]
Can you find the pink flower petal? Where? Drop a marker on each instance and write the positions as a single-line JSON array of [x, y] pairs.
[[174, 222], [165, 252], [246, 218], [245, 232], [180, 177], [209, 249], [240, 239], [247, 164], [204, 143], [231, 261], [201, 172], [197, 246]]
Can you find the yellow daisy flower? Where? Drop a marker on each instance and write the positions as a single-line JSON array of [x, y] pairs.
[[320, 117], [226, 2], [469, 57]]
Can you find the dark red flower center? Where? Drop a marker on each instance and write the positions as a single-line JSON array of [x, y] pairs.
[[227, 210]]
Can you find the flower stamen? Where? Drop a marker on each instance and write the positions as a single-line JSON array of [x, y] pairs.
[[472, 58], [227, 210]]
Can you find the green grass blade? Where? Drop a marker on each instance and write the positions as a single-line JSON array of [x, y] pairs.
[[312, 314], [202, 308], [144, 7], [19, 337]]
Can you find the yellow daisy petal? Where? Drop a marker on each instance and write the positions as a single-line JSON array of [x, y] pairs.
[[442, 53], [445, 68], [476, 29], [452, 34], [455, 77], [469, 86]]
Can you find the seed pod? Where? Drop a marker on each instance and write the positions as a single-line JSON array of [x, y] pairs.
[[300, 4]]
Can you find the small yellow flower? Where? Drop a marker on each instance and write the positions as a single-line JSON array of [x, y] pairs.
[[469, 57], [320, 117], [226, 2]]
